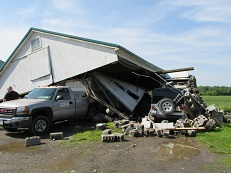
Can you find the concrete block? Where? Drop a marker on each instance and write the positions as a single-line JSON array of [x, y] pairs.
[[179, 124], [146, 123], [139, 128], [166, 133], [211, 108], [100, 126], [56, 136], [149, 132], [109, 111], [31, 141], [159, 133], [129, 128], [124, 127], [190, 133], [163, 125], [200, 121], [210, 124], [117, 124], [108, 138], [218, 116], [125, 122], [134, 133], [119, 137], [106, 132]]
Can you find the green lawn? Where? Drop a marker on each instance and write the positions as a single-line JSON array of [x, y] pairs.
[[219, 140], [221, 102]]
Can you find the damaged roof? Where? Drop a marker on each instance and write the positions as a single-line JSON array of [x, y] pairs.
[[118, 48], [61, 57]]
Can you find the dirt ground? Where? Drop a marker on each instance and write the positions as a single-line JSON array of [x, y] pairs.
[[134, 155]]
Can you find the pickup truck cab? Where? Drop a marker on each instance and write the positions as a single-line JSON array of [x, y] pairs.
[[43, 106]]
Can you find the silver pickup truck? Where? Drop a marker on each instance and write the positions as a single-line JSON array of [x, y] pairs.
[[43, 106]]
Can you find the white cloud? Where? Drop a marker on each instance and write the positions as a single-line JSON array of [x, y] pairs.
[[207, 11], [70, 6], [27, 12]]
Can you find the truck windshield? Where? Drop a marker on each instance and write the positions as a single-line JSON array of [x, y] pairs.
[[41, 93]]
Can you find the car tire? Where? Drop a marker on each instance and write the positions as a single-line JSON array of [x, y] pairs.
[[92, 112], [40, 125], [167, 106]]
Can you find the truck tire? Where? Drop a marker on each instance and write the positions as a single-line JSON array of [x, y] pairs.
[[92, 112], [40, 125], [167, 106]]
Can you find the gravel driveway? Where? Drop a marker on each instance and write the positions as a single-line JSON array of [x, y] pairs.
[[134, 155]]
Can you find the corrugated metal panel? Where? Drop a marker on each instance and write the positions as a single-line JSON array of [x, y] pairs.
[[27, 72]]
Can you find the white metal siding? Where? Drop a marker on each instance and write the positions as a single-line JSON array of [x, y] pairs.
[[72, 57], [26, 73], [67, 57]]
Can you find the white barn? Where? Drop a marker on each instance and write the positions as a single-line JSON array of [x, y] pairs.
[[45, 58]]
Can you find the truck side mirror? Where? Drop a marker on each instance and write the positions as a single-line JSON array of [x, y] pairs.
[[59, 97]]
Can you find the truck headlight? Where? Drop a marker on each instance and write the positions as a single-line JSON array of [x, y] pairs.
[[22, 110]]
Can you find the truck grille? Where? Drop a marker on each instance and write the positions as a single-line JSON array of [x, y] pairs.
[[6, 111]]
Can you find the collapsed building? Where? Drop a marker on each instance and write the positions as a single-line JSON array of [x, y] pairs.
[[45, 58], [117, 78]]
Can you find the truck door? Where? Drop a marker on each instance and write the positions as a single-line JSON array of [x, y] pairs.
[[64, 107]]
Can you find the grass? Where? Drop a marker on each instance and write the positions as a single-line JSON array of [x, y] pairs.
[[219, 140], [89, 135], [221, 102]]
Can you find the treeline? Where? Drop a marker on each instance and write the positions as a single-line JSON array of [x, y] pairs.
[[214, 90]]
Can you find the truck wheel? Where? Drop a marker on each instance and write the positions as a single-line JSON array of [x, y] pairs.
[[167, 106], [92, 112], [40, 125]]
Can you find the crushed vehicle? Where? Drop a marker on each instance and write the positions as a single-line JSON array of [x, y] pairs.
[[43, 106], [164, 106]]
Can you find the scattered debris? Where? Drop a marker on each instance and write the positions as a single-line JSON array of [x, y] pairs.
[[107, 136], [31, 141], [100, 126], [56, 136]]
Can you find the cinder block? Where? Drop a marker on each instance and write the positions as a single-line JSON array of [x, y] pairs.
[[31, 141], [108, 138], [166, 133], [200, 121], [124, 127], [129, 128], [146, 123], [134, 133], [56, 136], [101, 126], [211, 108], [149, 132], [159, 133], [119, 137], [106, 132], [125, 122], [140, 128], [218, 116], [190, 133], [210, 124]]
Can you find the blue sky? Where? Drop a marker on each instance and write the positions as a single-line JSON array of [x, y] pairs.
[[169, 34]]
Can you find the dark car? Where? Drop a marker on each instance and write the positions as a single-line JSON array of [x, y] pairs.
[[164, 105]]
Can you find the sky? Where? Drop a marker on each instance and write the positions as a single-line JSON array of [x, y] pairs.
[[170, 34]]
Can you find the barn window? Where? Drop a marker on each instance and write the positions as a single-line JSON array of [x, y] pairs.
[[35, 44]]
